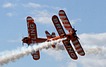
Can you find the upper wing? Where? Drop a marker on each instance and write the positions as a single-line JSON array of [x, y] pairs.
[[66, 42], [58, 25], [65, 20], [32, 31]]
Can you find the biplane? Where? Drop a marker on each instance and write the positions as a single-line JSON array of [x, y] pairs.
[[33, 37], [71, 36]]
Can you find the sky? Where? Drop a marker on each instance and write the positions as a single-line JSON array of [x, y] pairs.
[[87, 16]]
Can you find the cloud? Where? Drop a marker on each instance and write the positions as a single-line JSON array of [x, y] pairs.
[[41, 12], [72, 64], [8, 5], [75, 21], [95, 57], [9, 14], [43, 16], [93, 39], [32, 5], [93, 61], [36, 5], [94, 47]]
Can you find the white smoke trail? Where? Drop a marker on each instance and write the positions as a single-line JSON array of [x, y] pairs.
[[10, 56]]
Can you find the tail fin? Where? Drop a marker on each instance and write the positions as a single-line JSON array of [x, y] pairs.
[[53, 34], [48, 35]]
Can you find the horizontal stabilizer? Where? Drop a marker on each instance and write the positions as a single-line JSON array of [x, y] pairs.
[[47, 35], [36, 55]]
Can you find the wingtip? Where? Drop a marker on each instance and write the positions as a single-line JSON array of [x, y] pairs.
[[29, 18]]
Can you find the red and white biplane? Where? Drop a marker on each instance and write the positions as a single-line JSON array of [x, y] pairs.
[[70, 36], [33, 38]]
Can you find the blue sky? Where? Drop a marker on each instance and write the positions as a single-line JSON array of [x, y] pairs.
[[88, 17]]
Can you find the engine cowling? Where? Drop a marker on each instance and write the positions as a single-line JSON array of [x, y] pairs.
[[26, 40]]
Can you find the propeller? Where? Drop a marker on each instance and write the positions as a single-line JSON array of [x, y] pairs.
[[22, 43], [22, 40]]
